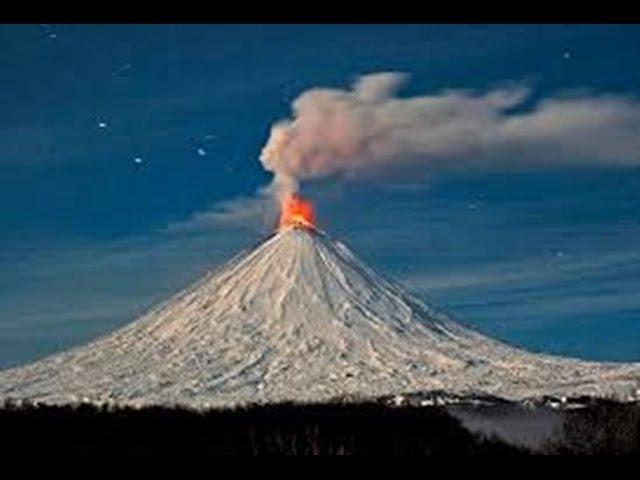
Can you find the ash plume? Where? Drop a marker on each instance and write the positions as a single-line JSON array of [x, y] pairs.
[[367, 129]]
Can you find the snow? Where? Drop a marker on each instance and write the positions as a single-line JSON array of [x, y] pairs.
[[301, 318]]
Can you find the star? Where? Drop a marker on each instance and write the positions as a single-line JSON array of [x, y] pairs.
[[567, 55], [48, 31], [121, 70]]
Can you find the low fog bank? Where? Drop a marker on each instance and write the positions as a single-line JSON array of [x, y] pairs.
[[515, 424]]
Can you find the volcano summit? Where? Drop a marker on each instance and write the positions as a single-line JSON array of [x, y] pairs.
[[301, 318]]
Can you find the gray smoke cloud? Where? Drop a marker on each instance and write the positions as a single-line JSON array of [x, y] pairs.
[[367, 129]]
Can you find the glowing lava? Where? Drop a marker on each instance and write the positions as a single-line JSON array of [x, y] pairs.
[[297, 212]]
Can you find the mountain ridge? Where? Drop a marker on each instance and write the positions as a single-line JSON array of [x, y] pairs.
[[301, 318]]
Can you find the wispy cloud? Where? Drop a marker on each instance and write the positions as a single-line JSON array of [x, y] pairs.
[[241, 212], [528, 272], [538, 294]]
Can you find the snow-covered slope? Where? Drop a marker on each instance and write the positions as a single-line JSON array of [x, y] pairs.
[[300, 318]]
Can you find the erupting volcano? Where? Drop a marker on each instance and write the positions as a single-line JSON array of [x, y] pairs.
[[300, 318]]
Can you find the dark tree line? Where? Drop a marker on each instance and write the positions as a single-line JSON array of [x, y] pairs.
[[368, 428], [360, 429]]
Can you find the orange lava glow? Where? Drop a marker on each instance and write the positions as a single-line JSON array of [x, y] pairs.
[[297, 212]]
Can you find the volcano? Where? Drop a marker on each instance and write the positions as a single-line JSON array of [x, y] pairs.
[[301, 318]]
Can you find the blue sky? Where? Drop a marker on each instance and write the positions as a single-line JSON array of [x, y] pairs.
[[547, 259]]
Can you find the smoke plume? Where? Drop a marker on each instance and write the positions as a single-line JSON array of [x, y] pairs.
[[369, 129]]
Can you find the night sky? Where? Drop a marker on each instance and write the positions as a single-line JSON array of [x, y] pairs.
[[117, 143]]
